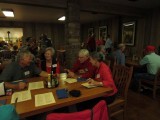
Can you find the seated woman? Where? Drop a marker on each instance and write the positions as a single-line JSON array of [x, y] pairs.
[[103, 77], [50, 63]]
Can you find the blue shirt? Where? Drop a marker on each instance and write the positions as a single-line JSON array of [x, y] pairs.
[[14, 71], [108, 43], [120, 57]]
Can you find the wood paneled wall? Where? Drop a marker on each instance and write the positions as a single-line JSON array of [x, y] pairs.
[[147, 30], [54, 31]]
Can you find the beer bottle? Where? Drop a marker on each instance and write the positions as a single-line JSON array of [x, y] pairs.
[[49, 81]]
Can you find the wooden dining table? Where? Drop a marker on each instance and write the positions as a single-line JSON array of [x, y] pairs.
[[27, 108], [134, 63]]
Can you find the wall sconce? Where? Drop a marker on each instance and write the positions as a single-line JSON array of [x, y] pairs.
[[8, 12]]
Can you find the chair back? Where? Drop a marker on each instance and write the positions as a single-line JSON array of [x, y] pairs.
[[112, 61], [99, 112], [122, 77], [153, 84]]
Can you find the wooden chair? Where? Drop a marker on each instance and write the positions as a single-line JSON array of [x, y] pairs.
[[122, 78], [99, 112], [112, 61], [151, 84]]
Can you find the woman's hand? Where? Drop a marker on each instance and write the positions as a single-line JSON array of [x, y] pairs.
[[94, 82]]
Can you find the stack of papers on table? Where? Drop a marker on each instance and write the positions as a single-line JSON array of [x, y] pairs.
[[22, 96], [44, 99], [36, 85], [87, 85], [71, 80]]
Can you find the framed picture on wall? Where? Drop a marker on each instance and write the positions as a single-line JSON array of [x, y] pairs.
[[103, 32], [128, 33], [90, 31]]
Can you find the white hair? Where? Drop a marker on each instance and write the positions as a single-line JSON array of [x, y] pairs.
[[83, 52], [50, 49]]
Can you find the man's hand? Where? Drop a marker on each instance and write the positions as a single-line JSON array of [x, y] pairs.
[[22, 85], [71, 74]]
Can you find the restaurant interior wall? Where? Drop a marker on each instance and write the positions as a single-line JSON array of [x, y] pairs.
[[147, 30], [54, 31]]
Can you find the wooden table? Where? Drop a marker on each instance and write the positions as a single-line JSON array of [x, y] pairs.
[[131, 62], [27, 108]]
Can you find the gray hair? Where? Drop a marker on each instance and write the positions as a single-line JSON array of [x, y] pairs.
[[23, 53], [84, 52], [50, 49], [120, 46], [96, 56]]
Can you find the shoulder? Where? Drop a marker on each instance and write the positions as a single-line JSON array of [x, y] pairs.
[[103, 65]]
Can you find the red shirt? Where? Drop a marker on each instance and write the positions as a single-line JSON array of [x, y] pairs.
[[100, 42], [103, 74], [85, 69], [48, 69]]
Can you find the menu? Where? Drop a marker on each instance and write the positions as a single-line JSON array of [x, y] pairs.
[[44, 99], [21, 96], [36, 85], [71, 80]]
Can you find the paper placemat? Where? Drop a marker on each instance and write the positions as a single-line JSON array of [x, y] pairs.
[[87, 85]]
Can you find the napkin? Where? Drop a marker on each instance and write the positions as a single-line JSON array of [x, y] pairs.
[[62, 93]]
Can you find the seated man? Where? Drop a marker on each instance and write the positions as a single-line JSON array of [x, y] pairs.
[[82, 67], [152, 62], [20, 69], [119, 54]]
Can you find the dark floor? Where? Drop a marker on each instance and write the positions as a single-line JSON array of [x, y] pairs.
[[141, 106]]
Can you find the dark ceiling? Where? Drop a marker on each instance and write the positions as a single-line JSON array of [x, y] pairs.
[[51, 10]]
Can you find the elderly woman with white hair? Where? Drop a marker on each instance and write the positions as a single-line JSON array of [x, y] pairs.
[[119, 54], [50, 63], [82, 68]]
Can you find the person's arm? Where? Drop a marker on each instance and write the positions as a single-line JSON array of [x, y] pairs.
[[39, 72], [94, 82], [106, 77], [90, 73], [19, 86], [144, 61]]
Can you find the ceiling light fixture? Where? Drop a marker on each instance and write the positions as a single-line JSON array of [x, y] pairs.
[[8, 12], [62, 18]]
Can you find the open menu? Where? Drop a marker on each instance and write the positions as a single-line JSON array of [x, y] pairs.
[[87, 85], [44, 99], [21, 96], [71, 80], [36, 85]]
